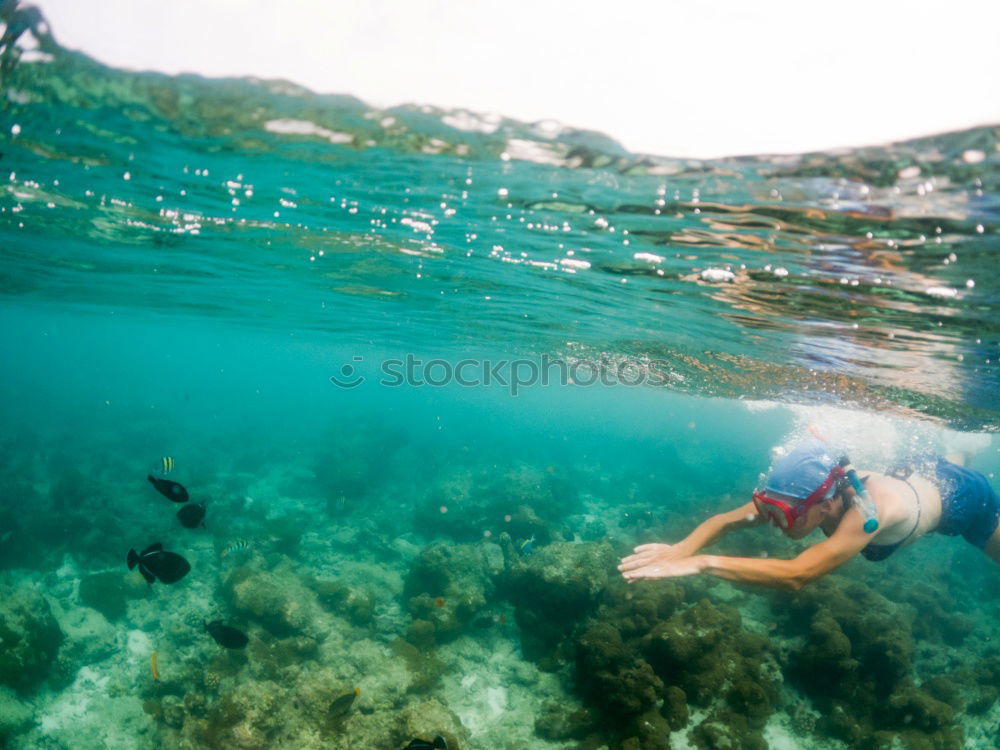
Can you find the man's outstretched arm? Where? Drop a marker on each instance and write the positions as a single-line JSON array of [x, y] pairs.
[[818, 560], [707, 532]]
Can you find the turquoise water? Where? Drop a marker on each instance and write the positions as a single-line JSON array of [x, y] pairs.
[[336, 321]]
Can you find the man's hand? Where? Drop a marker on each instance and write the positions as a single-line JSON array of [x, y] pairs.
[[652, 561]]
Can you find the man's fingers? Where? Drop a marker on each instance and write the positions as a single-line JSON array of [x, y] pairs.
[[646, 547], [663, 569], [630, 563], [636, 561], [660, 552], [652, 571]]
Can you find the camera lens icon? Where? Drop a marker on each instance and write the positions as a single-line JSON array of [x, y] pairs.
[[348, 377]]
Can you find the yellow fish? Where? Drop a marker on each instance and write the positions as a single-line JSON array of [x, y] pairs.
[[166, 464]]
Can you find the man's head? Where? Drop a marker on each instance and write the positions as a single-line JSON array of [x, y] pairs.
[[798, 493]]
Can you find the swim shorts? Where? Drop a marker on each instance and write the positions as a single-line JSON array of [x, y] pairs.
[[969, 506]]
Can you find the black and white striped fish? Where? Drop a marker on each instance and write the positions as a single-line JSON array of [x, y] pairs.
[[236, 546]]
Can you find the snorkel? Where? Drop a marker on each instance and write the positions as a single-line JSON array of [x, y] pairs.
[[862, 500]]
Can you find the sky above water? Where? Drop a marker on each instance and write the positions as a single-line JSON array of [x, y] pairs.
[[700, 79]]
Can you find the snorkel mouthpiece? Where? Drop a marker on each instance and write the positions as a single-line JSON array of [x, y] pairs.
[[863, 500]]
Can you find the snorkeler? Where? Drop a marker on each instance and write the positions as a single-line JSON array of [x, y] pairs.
[[809, 488]]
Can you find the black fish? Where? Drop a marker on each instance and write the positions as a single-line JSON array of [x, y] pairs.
[[192, 516], [225, 635], [154, 563], [170, 490], [342, 704], [438, 743]]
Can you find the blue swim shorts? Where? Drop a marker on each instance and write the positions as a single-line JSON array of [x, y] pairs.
[[969, 506]]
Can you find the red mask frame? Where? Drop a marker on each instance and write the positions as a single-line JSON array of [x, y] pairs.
[[783, 514]]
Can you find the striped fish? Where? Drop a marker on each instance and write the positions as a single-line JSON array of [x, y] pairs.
[[166, 464], [236, 546]]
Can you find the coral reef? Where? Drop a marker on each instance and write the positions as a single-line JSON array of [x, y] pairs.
[[426, 718], [15, 716], [448, 585], [277, 599], [553, 589], [708, 655], [564, 721], [109, 592], [353, 602], [648, 647], [856, 666], [423, 665], [247, 716], [613, 675], [298, 706], [973, 688], [939, 621], [640, 655], [364, 632], [308, 649], [29, 638]]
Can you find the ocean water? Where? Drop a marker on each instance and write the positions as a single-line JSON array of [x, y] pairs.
[[432, 373]]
